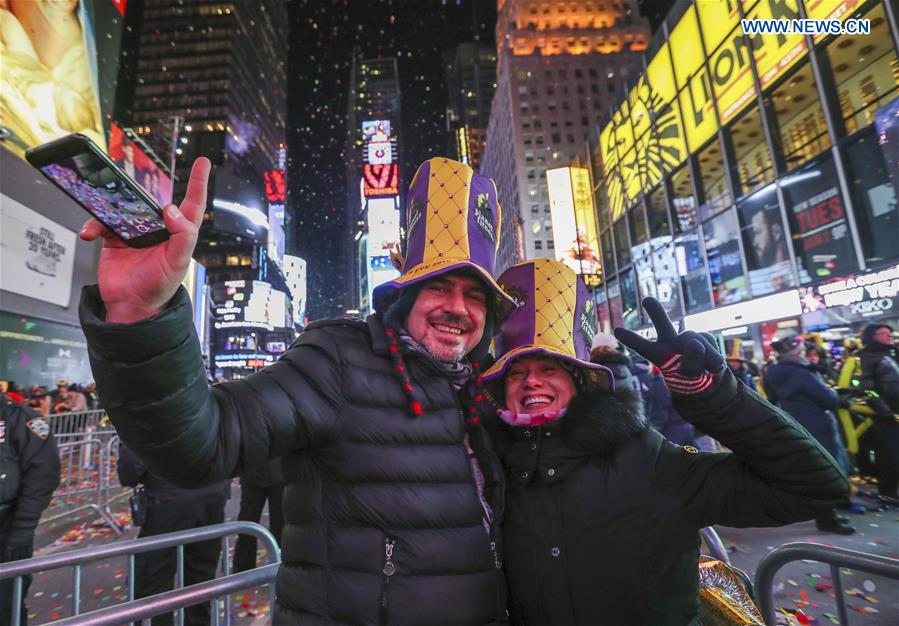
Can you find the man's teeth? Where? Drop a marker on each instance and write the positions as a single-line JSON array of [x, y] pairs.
[[448, 329], [536, 400]]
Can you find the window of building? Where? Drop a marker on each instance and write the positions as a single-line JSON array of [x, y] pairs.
[[639, 229], [592, 73], [765, 242], [615, 303], [874, 199], [716, 194], [585, 121], [722, 247], [525, 125], [556, 138], [550, 90], [622, 243], [535, 209], [594, 88], [564, 90], [527, 140], [551, 105], [866, 71], [608, 253], [539, 140], [531, 174], [666, 278], [657, 214], [538, 244], [753, 160], [538, 124], [692, 272], [817, 216], [550, 244], [800, 119], [578, 74], [643, 267], [630, 305], [570, 138]]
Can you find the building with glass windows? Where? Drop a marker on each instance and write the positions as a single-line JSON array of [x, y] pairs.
[[750, 182]]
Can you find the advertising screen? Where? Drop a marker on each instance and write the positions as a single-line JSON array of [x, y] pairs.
[[128, 156], [249, 304], [383, 237], [725, 267], [380, 180], [575, 236], [886, 122], [765, 242], [821, 240], [238, 206], [49, 78]]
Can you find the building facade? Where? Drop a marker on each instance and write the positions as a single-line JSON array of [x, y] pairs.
[[374, 179], [470, 83], [750, 182], [560, 64]]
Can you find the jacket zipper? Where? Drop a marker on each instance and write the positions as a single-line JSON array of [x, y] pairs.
[[388, 570]]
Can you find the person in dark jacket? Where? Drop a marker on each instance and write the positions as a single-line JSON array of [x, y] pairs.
[[603, 514], [605, 350], [170, 508], [736, 361], [802, 392], [390, 508], [29, 474], [880, 373], [265, 484]]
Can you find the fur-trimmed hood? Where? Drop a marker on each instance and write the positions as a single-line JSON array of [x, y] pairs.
[[599, 423]]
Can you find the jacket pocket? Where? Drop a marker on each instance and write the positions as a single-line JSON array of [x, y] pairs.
[[387, 571]]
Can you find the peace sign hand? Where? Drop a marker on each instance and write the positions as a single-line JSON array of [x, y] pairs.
[[689, 361]]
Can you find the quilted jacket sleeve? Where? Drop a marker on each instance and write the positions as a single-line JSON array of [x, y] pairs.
[[151, 379], [776, 473]]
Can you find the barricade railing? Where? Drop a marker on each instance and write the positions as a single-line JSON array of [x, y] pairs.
[[715, 545], [73, 423], [87, 475], [830, 555], [183, 597]]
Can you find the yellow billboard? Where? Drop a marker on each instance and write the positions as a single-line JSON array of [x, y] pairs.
[[829, 10], [717, 18], [47, 88], [731, 74], [684, 38], [775, 54], [575, 234], [698, 111]]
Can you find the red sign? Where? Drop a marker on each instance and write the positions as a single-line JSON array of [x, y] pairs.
[[275, 188], [120, 5], [381, 180]]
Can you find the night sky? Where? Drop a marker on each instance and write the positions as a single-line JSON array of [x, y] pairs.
[[322, 38]]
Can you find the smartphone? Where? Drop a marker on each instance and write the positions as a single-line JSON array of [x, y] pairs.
[[81, 169]]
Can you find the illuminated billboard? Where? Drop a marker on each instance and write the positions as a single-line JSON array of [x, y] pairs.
[[249, 304], [49, 78], [574, 219], [383, 237], [140, 167], [380, 180], [295, 275], [275, 193]]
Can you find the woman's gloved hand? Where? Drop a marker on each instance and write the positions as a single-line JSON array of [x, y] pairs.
[[690, 362]]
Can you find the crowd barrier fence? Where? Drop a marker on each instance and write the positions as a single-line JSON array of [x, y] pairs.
[[831, 555], [62, 424], [87, 476], [176, 601]]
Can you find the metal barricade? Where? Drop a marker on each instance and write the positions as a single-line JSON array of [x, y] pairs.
[[714, 544], [145, 608], [87, 475], [831, 555], [74, 423]]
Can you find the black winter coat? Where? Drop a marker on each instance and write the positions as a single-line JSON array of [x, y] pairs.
[[132, 473], [383, 523], [881, 373], [602, 513], [802, 392]]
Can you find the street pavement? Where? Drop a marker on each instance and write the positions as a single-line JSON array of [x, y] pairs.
[[803, 590]]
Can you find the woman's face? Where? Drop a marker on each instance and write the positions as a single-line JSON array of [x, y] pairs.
[[538, 385]]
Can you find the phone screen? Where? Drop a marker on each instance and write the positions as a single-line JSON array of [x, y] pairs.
[[109, 198]]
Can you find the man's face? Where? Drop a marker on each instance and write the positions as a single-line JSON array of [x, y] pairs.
[[538, 385], [63, 393], [448, 316], [761, 239], [813, 357], [734, 364], [884, 335]]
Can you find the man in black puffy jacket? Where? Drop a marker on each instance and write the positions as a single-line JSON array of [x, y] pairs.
[[29, 473], [880, 374], [390, 509]]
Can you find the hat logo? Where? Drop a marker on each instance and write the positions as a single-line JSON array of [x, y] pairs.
[[516, 293], [588, 321], [484, 216], [416, 209]]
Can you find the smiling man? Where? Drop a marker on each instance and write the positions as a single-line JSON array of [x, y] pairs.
[[390, 511]]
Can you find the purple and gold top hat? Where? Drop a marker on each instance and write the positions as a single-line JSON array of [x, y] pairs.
[[453, 220], [556, 317]]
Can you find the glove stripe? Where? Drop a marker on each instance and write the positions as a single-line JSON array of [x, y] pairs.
[[678, 383]]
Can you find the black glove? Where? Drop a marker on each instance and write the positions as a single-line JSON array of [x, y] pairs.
[[845, 401], [850, 391], [17, 549], [690, 363]]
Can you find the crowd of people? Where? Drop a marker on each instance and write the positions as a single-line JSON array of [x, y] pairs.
[[65, 398]]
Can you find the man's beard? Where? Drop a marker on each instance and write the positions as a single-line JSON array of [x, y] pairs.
[[441, 352]]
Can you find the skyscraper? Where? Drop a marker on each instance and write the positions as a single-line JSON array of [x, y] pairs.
[[559, 66], [208, 78], [470, 82], [373, 178]]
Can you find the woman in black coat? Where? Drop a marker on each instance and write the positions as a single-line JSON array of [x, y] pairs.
[[602, 513]]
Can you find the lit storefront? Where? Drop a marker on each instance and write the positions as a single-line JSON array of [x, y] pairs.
[[744, 168]]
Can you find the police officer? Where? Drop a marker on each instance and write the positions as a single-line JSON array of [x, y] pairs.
[[29, 473], [170, 508]]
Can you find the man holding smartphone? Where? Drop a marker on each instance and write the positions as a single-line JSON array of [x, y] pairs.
[[391, 510]]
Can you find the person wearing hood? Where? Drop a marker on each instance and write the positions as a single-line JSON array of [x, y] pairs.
[[605, 350], [603, 514], [880, 373], [801, 391], [737, 362], [390, 506]]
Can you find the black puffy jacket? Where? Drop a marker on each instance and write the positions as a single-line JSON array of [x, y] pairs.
[[383, 523], [881, 373], [602, 513]]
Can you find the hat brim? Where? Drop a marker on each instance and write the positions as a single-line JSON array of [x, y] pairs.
[[386, 293], [599, 374]]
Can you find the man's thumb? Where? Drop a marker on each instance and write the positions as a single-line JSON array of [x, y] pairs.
[[175, 221]]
